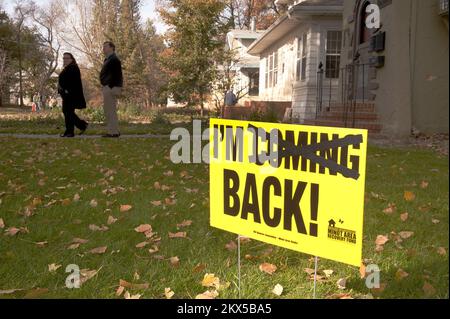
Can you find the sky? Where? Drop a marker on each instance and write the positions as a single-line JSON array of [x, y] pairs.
[[147, 11]]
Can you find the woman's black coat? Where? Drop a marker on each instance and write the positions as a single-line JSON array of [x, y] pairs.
[[70, 87]]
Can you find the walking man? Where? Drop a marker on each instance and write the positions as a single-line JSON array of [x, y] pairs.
[[112, 81]]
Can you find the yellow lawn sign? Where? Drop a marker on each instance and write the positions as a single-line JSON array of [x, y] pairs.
[[294, 186]]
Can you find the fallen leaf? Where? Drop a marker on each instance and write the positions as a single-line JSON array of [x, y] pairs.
[[185, 223], [406, 234], [12, 231], [381, 240], [98, 250], [168, 293], [2, 223], [409, 196], [328, 272], [143, 244], [210, 280], [177, 235], [168, 173], [244, 240], [390, 209], [378, 291], [208, 295], [424, 184], [86, 274], [401, 274], [341, 283], [125, 208], [128, 296], [435, 221], [73, 246], [157, 185], [143, 228], [428, 289], [404, 217], [153, 250], [442, 251], [119, 291], [174, 261], [268, 268], [98, 228], [66, 202], [277, 290], [170, 201], [231, 246], [76, 197], [93, 203], [340, 296], [111, 220], [9, 291], [309, 271], [53, 267]]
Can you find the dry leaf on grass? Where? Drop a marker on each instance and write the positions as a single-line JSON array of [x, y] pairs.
[[404, 217], [168, 293], [401, 274], [185, 223], [390, 209], [231, 246], [268, 268], [119, 291], [143, 244], [128, 296], [98, 250], [409, 196], [424, 184], [156, 203], [143, 228], [210, 280], [362, 271], [328, 272], [442, 251], [53, 267], [98, 228], [93, 203], [177, 235], [125, 208], [111, 220], [208, 295], [2, 223], [406, 234], [277, 290], [174, 261], [309, 271]]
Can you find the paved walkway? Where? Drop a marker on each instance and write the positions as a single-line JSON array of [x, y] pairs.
[[55, 136]]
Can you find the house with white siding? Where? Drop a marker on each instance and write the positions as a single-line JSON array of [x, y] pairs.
[[292, 49], [245, 67]]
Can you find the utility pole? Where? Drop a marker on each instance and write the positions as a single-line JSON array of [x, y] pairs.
[[19, 39]]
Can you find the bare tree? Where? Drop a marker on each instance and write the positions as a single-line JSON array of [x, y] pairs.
[[48, 20]]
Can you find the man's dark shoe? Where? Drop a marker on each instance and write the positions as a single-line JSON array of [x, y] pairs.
[[67, 135], [111, 135], [84, 129]]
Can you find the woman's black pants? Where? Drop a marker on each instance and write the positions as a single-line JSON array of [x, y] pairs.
[[72, 120]]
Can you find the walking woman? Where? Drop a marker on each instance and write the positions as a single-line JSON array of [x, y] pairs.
[[71, 90]]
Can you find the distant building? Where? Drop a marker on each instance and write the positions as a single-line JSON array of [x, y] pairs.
[[246, 67]]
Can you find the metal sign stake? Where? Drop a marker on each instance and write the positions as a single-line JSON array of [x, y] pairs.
[[239, 265], [315, 277]]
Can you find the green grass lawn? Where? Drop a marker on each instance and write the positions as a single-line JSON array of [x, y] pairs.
[[48, 175]]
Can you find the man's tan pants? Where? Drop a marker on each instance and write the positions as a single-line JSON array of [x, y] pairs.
[[110, 108]]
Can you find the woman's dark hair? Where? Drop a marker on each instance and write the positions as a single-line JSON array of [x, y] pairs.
[[71, 56]]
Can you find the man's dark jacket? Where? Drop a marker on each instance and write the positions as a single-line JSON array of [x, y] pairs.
[[70, 87], [111, 74]]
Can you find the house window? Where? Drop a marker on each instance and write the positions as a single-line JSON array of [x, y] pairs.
[[301, 58], [272, 70], [333, 54]]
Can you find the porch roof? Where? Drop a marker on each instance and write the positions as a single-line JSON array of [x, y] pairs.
[[300, 12]]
